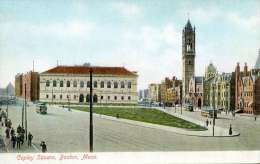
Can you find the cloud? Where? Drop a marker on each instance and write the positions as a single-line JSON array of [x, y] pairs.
[[250, 23], [127, 9], [70, 29]]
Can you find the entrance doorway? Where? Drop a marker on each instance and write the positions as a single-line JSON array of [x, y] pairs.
[[199, 103], [81, 98]]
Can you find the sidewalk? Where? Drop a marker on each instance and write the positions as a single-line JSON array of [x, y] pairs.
[[218, 131], [8, 144]]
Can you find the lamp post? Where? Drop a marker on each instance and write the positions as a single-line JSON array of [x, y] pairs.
[[25, 111], [90, 113], [213, 124], [181, 96], [7, 99]]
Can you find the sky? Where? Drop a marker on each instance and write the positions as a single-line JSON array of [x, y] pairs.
[[141, 35]]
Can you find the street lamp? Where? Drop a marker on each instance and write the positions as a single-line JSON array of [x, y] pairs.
[[90, 113], [7, 99]]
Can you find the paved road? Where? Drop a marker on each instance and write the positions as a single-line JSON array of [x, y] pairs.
[[66, 131]]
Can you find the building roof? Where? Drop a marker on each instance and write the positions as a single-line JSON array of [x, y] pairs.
[[188, 26], [121, 71], [198, 79]]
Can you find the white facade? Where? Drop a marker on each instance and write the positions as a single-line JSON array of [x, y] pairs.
[[75, 89]]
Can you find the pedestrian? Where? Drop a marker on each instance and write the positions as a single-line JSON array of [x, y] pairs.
[[22, 138], [207, 122], [18, 141], [19, 129], [30, 137], [230, 130], [12, 131], [44, 147], [13, 139], [7, 132]]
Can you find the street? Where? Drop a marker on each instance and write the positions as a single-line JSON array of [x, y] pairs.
[[67, 131]]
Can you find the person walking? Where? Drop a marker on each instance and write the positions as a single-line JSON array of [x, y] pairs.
[[12, 131], [30, 137], [13, 139], [44, 147], [7, 132], [19, 129], [230, 130], [18, 141]]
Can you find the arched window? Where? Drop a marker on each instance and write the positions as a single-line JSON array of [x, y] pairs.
[[129, 85], [102, 84], [95, 84], [122, 97], [88, 98], [68, 83], [47, 96], [95, 99], [129, 97], [122, 84], [88, 84], [61, 83], [47, 83], [81, 84], [54, 84], [74, 83], [115, 84], [60, 96], [108, 84], [115, 97]]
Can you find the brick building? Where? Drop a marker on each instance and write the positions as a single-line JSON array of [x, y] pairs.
[[247, 88], [18, 85], [31, 79]]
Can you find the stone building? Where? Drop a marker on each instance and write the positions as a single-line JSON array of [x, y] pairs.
[[154, 92], [64, 84], [31, 81], [247, 90], [18, 85], [196, 91], [222, 92], [188, 57], [210, 74]]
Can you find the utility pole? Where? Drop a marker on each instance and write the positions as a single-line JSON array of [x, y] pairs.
[[25, 110], [90, 114], [213, 124], [22, 115], [181, 96], [7, 102]]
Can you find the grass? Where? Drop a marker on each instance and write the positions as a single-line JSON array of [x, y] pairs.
[[145, 115]]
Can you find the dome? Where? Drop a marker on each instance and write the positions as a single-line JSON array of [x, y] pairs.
[[211, 71]]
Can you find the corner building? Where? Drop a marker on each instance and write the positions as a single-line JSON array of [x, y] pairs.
[[111, 85]]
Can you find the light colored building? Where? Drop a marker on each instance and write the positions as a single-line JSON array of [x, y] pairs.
[[210, 74], [196, 91], [154, 92], [72, 84]]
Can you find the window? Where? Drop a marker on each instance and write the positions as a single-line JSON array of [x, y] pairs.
[[95, 84], [88, 84], [81, 84], [54, 84], [102, 84], [122, 84], [101, 97], [115, 97], [108, 84], [61, 83], [115, 84], [108, 97], [60, 96], [47, 96], [75, 97], [68, 83], [129, 97], [47, 83], [68, 96], [129, 84], [122, 97], [54, 96], [74, 83]]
